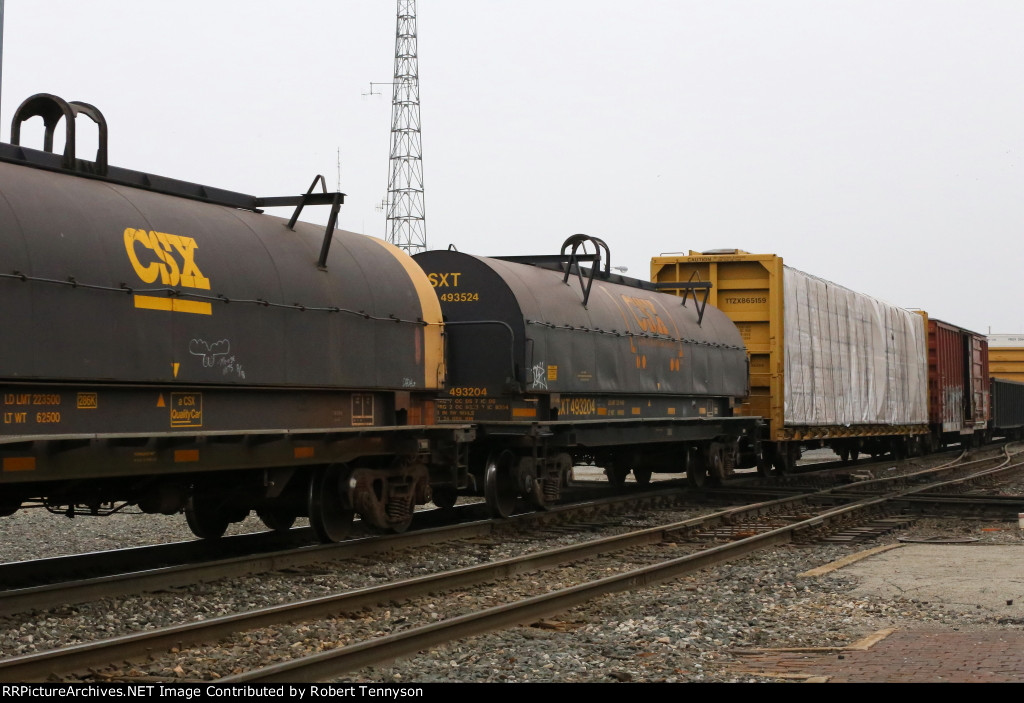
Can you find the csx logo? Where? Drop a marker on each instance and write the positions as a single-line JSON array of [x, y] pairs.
[[646, 315], [171, 259], [166, 249], [444, 280]]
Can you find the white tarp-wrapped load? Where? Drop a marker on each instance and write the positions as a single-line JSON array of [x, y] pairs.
[[851, 359]]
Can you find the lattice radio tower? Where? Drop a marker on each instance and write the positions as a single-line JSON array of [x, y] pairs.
[[406, 223]]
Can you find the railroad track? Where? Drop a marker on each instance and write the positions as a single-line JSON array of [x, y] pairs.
[[163, 567], [138, 569], [751, 528], [117, 562]]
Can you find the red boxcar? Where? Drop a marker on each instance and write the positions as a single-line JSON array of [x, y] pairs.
[[959, 402]]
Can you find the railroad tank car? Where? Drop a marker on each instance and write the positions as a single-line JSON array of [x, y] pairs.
[[555, 362], [828, 365], [170, 346], [959, 402]]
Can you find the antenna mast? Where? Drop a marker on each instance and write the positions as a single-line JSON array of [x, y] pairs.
[[406, 219]]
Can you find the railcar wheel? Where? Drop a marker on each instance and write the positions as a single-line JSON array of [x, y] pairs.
[[277, 519], [329, 517], [697, 470], [532, 477], [642, 476], [205, 518], [844, 455], [500, 489], [444, 496]]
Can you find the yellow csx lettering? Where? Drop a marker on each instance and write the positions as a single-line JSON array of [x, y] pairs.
[[440, 280], [167, 249]]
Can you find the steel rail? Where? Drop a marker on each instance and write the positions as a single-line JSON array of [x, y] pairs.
[[332, 663], [129, 583], [22, 574], [41, 665], [146, 580], [47, 664]]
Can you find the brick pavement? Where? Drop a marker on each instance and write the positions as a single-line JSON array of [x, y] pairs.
[[899, 656]]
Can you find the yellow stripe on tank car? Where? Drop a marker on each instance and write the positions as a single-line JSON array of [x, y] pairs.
[[430, 307], [149, 302]]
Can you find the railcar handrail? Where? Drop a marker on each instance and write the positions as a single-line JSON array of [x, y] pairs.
[[572, 261], [689, 288], [53, 108], [336, 200]]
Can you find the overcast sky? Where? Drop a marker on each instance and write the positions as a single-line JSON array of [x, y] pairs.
[[874, 143]]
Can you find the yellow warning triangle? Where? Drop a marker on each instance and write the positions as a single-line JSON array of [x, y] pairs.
[[175, 366], [160, 402]]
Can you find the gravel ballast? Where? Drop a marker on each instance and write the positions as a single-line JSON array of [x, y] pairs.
[[684, 630]]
